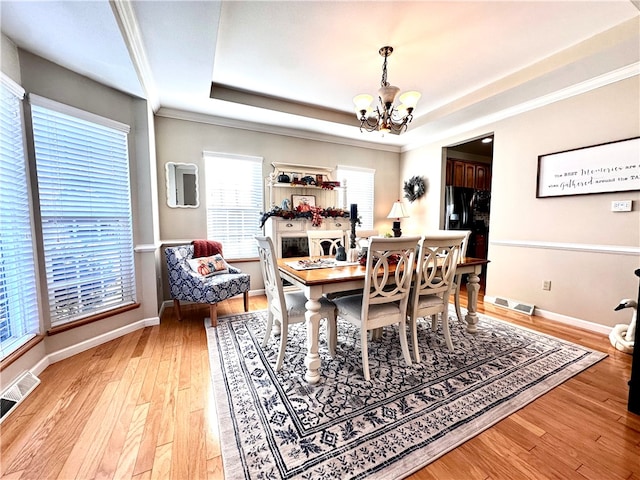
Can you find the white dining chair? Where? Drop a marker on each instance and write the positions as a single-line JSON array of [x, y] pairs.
[[458, 278], [324, 242], [287, 308], [438, 257], [363, 236], [384, 299]]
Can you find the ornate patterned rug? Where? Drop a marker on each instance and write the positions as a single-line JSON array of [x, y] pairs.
[[274, 425]]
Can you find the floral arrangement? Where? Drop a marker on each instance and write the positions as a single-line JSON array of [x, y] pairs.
[[315, 214]]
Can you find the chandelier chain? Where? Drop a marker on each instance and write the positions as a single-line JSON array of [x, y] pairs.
[[383, 82]]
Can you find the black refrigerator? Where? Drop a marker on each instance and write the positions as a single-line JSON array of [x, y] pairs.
[[458, 214]]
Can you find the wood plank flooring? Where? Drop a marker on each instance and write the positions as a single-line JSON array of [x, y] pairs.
[[141, 407]]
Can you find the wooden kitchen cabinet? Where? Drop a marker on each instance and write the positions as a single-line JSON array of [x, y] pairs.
[[482, 177], [468, 174]]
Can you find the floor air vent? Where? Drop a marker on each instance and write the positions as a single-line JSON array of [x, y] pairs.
[[514, 305], [17, 392]]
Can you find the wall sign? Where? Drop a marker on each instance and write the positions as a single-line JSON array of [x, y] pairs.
[[609, 167]]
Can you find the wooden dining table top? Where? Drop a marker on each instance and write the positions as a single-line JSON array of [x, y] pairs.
[[342, 273]]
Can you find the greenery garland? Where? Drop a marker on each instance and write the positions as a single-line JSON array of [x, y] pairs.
[[414, 188], [314, 215]]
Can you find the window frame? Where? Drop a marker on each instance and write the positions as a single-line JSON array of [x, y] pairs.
[[247, 224], [366, 209], [85, 213], [19, 291]]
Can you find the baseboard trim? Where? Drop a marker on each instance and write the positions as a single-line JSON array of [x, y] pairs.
[[67, 352], [567, 320], [574, 322]]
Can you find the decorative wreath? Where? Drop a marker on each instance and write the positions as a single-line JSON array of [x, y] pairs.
[[414, 188]]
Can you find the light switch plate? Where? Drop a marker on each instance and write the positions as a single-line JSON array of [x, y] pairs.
[[621, 206]]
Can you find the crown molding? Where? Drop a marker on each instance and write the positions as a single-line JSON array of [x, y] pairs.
[[126, 18], [544, 100]]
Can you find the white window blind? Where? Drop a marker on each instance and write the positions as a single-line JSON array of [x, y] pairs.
[[360, 190], [85, 204], [234, 201], [19, 319]]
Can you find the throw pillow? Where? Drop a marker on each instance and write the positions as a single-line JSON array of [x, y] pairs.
[[207, 266]]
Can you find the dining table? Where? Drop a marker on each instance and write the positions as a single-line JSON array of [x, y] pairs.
[[321, 276]]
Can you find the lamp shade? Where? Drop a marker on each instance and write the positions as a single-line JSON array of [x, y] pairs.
[[388, 94], [410, 99], [397, 211], [362, 101]]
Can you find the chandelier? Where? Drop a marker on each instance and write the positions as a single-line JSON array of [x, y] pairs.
[[387, 117]]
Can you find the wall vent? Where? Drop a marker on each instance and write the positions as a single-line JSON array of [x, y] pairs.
[[514, 305], [16, 393]]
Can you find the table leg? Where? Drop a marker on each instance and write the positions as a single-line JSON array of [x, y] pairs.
[[473, 287], [312, 360]]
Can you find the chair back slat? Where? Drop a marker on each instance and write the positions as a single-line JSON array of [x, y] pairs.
[[390, 266], [324, 242], [271, 276], [438, 259], [363, 236]]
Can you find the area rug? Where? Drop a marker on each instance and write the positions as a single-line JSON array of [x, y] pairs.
[[274, 425]]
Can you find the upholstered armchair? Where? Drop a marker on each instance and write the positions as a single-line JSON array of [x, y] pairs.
[[187, 284]]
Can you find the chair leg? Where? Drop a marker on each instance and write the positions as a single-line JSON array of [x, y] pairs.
[[176, 305], [246, 300], [213, 312], [434, 323], [413, 325], [267, 333], [445, 327], [365, 353], [332, 335], [402, 330], [284, 333], [456, 297]]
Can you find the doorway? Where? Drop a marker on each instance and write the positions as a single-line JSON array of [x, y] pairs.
[[467, 204]]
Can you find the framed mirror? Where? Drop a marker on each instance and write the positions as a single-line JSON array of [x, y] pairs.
[[182, 185]]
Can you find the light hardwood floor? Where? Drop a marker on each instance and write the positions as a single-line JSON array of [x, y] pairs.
[[141, 407]]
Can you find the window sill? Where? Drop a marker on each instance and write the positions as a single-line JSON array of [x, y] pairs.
[[16, 354], [91, 319]]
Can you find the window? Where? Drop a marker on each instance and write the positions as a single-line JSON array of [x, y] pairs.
[[360, 185], [19, 319], [234, 202], [85, 206]]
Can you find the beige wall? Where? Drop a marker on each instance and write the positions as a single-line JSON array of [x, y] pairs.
[[9, 58], [588, 252], [184, 141]]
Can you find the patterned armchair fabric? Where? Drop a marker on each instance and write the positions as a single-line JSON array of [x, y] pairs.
[[187, 285]]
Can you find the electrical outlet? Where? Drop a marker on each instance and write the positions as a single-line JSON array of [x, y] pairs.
[[546, 285], [621, 206]]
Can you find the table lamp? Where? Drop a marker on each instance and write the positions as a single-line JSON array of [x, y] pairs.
[[397, 212]]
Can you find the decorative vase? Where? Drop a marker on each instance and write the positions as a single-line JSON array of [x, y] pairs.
[[341, 254], [353, 255]]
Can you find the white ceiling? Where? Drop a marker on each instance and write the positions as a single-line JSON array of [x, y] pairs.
[[297, 64]]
